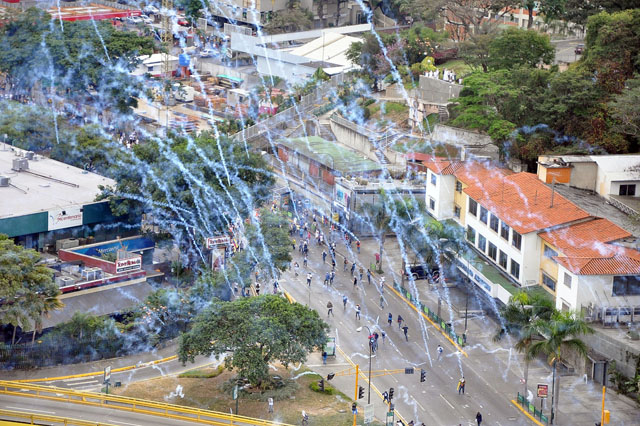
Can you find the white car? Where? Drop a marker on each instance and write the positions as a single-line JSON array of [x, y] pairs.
[[146, 19], [134, 19], [151, 9], [208, 53]]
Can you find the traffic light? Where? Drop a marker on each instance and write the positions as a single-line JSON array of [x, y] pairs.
[[390, 394], [321, 385], [360, 392], [423, 375], [330, 376]]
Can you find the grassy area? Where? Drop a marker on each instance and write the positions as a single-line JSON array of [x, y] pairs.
[[386, 112], [331, 408], [204, 373]]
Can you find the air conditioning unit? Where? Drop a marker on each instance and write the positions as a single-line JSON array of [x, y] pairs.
[[67, 243], [4, 181], [29, 155], [91, 274], [20, 164], [65, 281]]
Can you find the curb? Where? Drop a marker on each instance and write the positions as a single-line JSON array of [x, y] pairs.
[[533, 419], [98, 373]]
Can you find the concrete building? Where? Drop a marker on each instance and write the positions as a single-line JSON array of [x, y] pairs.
[[44, 201], [614, 177], [351, 194], [154, 64], [432, 97], [535, 236]]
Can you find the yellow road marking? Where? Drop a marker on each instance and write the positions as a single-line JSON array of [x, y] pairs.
[[533, 419]]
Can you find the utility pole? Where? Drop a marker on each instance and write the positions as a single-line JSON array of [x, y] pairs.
[[355, 396], [167, 42]]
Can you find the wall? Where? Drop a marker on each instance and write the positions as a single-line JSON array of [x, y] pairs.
[[460, 199], [614, 187], [623, 355], [466, 138], [584, 176], [441, 192], [549, 266], [568, 295], [436, 91]]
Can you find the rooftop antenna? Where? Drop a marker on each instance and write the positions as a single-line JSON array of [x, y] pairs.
[[553, 190]]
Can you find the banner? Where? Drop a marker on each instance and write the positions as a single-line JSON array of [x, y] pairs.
[[67, 217]]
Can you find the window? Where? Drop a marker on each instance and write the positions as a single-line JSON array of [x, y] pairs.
[[516, 241], [567, 280], [503, 260], [433, 179], [482, 243], [432, 203], [548, 281], [456, 211], [627, 190], [494, 222], [626, 286], [458, 186], [473, 207], [515, 269], [549, 252], [493, 251], [471, 235], [504, 231], [484, 213]]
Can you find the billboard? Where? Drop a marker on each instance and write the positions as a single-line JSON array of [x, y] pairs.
[[67, 217], [132, 263]]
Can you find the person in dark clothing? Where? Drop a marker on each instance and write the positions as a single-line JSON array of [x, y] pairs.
[[406, 330], [390, 319], [479, 418]]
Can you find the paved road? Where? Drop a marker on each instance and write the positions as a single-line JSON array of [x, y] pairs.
[[490, 383], [565, 50], [84, 412]]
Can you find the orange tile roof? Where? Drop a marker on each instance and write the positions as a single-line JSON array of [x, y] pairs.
[[433, 163], [523, 202], [479, 173], [586, 239], [618, 264]]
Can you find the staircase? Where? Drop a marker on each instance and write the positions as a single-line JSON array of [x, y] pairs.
[[382, 159], [443, 113]]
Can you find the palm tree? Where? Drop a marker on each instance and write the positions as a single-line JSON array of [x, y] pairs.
[[41, 304], [519, 317], [559, 334]]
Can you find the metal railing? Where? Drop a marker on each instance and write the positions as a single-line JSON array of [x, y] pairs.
[[35, 419], [135, 405], [531, 409]]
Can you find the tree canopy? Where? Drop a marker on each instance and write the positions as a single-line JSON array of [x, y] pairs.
[[516, 47], [253, 332]]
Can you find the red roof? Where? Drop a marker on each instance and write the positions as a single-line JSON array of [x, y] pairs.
[[93, 11], [619, 264], [523, 202]]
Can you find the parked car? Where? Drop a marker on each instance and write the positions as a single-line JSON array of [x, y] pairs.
[[207, 53], [146, 19], [134, 20], [579, 49], [421, 271], [151, 9], [182, 20]]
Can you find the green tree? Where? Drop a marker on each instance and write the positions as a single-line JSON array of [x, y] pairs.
[[379, 217], [560, 334], [624, 108], [292, 19], [193, 8], [26, 287], [519, 316], [516, 47], [253, 332]]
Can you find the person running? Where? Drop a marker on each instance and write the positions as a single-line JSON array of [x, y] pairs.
[[324, 256], [329, 309], [390, 319], [439, 350], [400, 322], [406, 330], [344, 301], [309, 276], [479, 418], [461, 384], [357, 312]]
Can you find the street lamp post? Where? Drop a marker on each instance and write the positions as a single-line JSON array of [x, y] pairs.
[[359, 329]]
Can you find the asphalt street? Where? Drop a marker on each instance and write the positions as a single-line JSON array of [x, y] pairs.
[[490, 385]]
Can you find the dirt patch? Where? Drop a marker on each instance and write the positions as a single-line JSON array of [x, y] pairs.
[[208, 393]]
